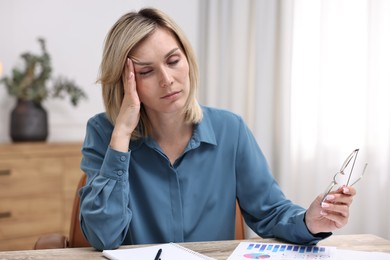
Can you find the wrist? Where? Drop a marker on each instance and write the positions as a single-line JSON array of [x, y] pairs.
[[308, 225], [120, 142]]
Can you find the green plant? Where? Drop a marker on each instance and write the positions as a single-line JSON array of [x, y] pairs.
[[31, 83]]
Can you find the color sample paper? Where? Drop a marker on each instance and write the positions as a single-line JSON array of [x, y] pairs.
[[253, 250]]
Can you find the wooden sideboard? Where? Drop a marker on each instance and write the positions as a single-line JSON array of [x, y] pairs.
[[38, 182]]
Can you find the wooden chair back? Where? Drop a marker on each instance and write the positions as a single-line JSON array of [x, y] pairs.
[[76, 236]]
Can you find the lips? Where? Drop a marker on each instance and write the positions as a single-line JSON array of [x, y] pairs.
[[171, 95]]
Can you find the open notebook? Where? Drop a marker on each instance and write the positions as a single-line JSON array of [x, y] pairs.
[[169, 251]]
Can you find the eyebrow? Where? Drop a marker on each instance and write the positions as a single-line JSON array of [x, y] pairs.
[[149, 63]]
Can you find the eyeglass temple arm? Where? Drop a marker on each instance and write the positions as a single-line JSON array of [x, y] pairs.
[[361, 176], [353, 165]]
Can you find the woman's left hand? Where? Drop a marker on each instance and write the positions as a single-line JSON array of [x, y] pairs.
[[331, 214]]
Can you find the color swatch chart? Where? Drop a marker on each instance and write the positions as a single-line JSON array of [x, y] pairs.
[[252, 250]]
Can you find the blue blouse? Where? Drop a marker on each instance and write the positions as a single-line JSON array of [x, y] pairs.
[[138, 197]]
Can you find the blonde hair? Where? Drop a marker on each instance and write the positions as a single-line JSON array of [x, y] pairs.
[[125, 35]]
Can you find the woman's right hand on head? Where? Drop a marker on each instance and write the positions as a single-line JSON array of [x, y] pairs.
[[129, 113]]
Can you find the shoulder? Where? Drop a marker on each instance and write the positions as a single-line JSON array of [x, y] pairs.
[[217, 113], [221, 116], [225, 124], [100, 124], [100, 119]]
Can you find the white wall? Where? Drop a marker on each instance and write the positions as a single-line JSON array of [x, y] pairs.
[[74, 32]]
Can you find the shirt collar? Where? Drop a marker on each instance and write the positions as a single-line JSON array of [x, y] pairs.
[[203, 133]]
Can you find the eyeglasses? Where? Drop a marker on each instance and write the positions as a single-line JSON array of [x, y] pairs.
[[338, 176]]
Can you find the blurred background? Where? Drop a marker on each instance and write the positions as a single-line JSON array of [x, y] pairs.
[[311, 78]]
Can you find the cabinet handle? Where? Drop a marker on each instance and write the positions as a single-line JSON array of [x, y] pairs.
[[6, 214], [5, 172]]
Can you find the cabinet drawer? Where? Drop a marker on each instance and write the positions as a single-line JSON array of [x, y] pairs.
[[21, 217], [37, 186], [29, 177], [26, 243]]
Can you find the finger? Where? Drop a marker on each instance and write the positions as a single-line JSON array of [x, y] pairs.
[[344, 195], [128, 76], [338, 214], [339, 199], [349, 190], [338, 220], [335, 209]]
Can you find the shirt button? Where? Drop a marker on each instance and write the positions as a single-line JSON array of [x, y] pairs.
[[123, 158], [120, 172]]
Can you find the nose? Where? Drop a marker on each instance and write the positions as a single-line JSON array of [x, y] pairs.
[[166, 79]]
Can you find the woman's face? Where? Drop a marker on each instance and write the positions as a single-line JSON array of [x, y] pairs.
[[162, 73]]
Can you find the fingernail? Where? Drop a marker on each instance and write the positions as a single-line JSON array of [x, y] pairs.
[[330, 197], [131, 74], [325, 205], [323, 213], [345, 190]]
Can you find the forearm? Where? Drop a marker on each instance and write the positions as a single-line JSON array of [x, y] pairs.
[[285, 222], [294, 229], [105, 215]]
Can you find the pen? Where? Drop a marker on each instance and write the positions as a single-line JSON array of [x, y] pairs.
[[158, 254]]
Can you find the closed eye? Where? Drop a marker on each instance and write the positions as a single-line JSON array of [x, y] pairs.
[[174, 62], [144, 73], [174, 58]]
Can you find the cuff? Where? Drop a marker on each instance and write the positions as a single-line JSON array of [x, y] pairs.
[[115, 165], [314, 238]]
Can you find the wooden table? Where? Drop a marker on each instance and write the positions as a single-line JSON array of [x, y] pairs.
[[218, 249]]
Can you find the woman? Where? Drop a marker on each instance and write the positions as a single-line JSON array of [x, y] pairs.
[[162, 168]]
